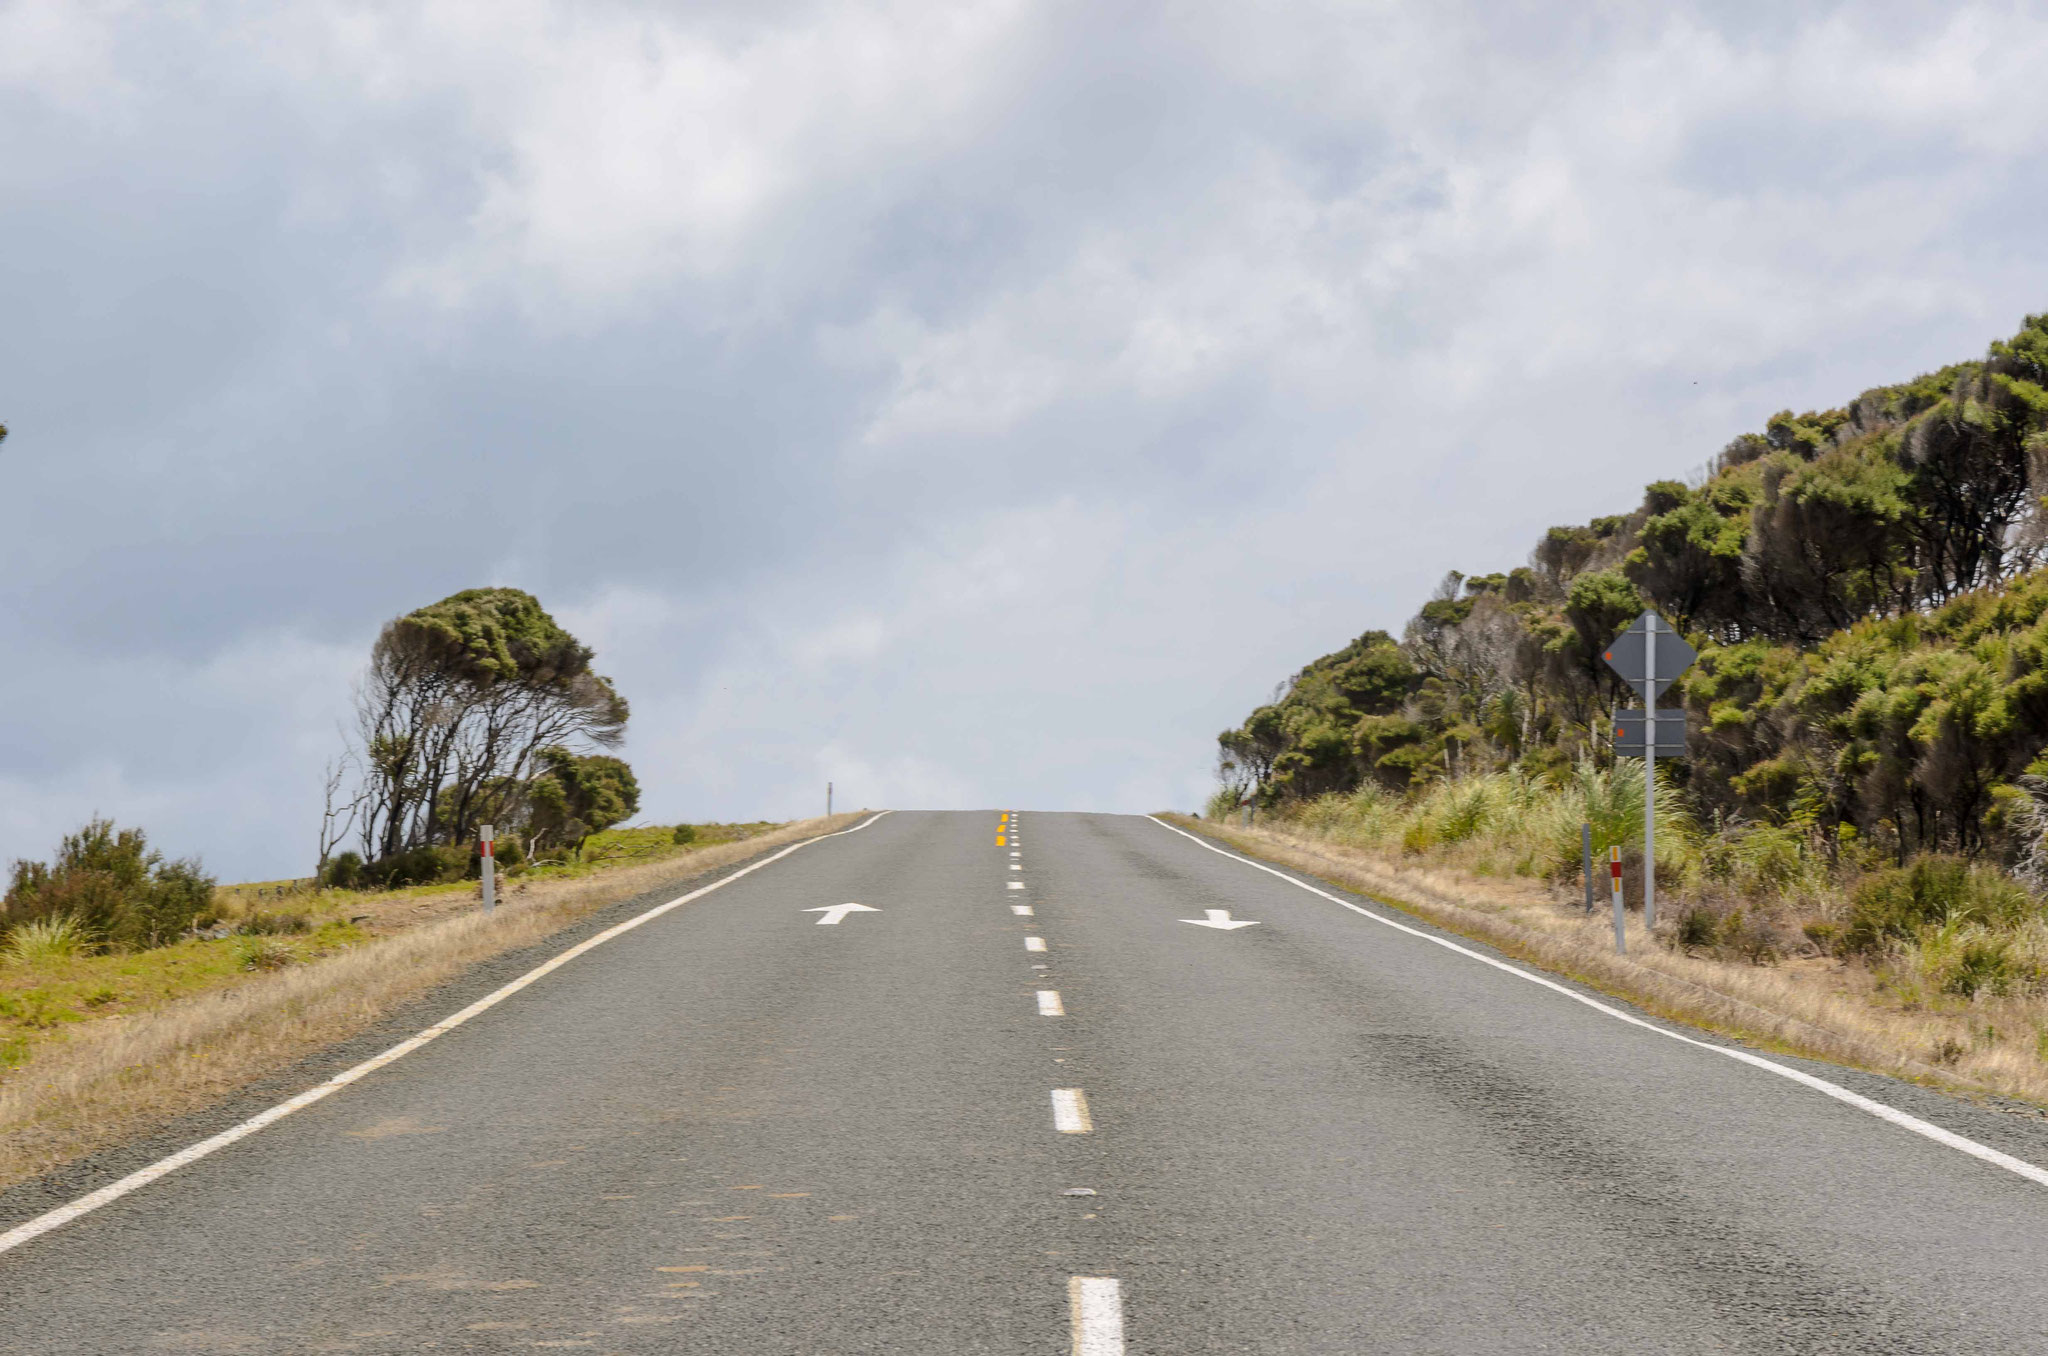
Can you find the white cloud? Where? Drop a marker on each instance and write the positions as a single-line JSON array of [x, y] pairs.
[[627, 147]]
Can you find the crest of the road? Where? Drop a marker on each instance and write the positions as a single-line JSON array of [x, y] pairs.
[[1221, 919], [834, 912]]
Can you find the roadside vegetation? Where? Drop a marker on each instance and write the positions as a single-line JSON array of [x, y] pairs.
[[60, 968], [134, 987], [101, 1043], [1865, 807]]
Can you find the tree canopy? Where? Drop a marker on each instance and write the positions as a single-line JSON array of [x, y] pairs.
[[1863, 585], [464, 704]]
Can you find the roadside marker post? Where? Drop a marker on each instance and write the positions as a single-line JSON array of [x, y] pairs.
[[1614, 868], [489, 848], [1649, 655], [1586, 853], [828, 800]]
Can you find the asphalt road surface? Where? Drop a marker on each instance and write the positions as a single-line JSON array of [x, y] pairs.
[[744, 1129]]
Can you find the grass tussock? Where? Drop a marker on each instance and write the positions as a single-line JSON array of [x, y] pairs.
[[271, 995], [1936, 971]]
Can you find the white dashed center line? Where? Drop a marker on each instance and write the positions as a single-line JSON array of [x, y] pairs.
[[1034, 943], [1097, 1303], [1016, 885], [1021, 910], [1049, 1003], [1070, 1112]]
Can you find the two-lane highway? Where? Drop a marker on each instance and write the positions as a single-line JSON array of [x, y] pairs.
[[1060, 1083]]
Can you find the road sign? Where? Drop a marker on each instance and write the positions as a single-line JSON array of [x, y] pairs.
[[1631, 728], [1628, 653], [1649, 656]]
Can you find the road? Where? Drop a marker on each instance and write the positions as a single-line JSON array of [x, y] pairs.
[[753, 1127]]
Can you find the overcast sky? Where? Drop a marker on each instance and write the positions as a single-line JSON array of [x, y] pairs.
[[973, 404]]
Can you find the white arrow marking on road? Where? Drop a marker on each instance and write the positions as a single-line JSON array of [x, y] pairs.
[[834, 912], [1220, 918]]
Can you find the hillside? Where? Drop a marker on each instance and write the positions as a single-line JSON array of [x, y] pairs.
[[1861, 584], [1856, 851]]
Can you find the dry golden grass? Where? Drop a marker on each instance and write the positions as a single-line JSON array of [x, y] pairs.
[[116, 1079], [1822, 1009]]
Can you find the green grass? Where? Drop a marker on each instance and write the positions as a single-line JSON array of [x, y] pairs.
[[52, 988], [38, 1001], [633, 846]]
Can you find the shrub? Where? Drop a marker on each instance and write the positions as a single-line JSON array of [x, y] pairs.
[[417, 866], [1698, 929], [1768, 859], [112, 886], [56, 937], [1895, 905], [264, 953], [1985, 964], [260, 924], [344, 872], [1966, 959], [686, 834]]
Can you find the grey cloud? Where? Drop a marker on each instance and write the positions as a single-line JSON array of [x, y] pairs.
[[981, 403]]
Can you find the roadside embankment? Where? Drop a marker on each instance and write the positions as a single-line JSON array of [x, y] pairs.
[[220, 1025], [1823, 1008]]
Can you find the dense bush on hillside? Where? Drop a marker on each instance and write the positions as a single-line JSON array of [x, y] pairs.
[[1861, 583], [107, 887]]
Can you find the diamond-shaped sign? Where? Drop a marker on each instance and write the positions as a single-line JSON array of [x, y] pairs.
[[1631, 727], [1628, 653]]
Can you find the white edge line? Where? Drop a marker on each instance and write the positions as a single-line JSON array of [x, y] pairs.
[[163, 1167], [1905, 1121], [1096, 1304]]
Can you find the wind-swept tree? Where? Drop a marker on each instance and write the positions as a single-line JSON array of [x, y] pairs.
[[459, 701]]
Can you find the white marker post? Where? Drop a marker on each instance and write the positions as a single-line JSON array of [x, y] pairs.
[[489, 848], [828, 800], [1614, 866]]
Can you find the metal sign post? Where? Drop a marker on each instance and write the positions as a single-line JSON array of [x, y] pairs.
[[1649, 656], [488, 847], [1650, 778]]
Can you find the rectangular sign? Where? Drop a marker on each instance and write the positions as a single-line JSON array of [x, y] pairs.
[[1631, 727]]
